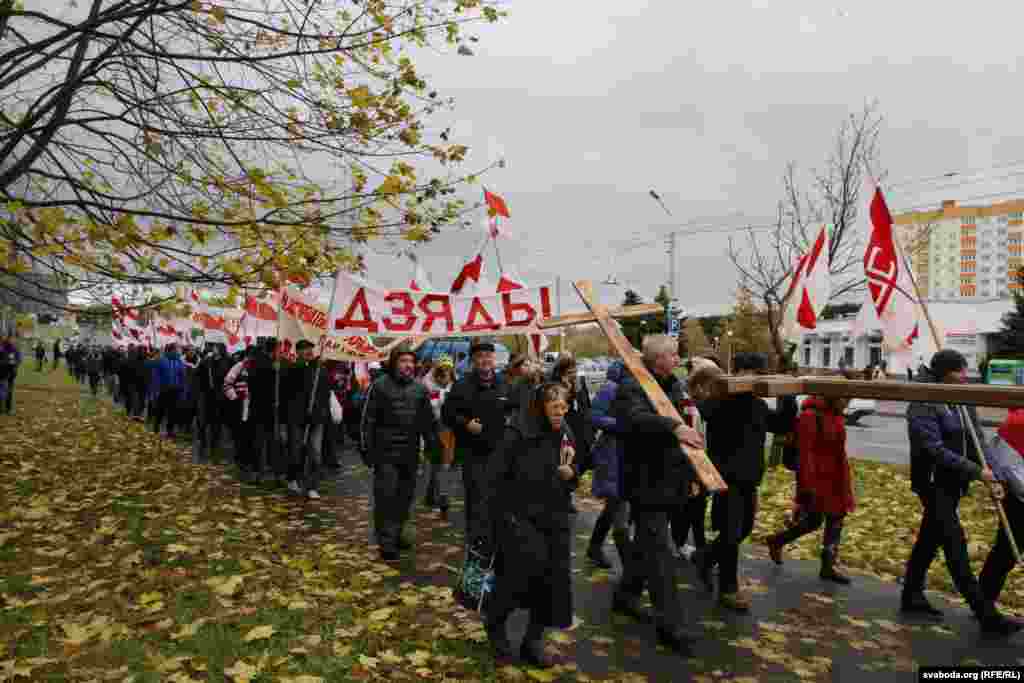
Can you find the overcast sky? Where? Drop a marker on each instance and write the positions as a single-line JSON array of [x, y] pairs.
[[594, 103]]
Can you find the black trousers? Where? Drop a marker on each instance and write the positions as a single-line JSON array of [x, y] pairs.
[[394, 486], [650, 563], [615, 515], [733, 514], [940, 528], [690, 517], [94, 383], [1000, 559], [166, 408], [474, 480], [810, 521]]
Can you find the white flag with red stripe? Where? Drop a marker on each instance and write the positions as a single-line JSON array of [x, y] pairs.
[[890, 286], [420, 280], [809, 289], [471, 270], [538, 340]]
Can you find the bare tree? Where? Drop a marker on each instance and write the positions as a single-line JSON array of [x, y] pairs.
[[766, 261], [220, 141]]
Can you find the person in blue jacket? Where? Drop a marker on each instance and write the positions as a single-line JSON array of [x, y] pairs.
[[168, 385], [607, 484], [943, 463]]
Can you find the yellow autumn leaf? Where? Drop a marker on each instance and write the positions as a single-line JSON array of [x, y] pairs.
[[189, 630], [418, 658], [225, 586], [304, 678], [242, 672], [382, 614], [542, 675], [368, 662], [76, 633], [259, 633], [150, 598]]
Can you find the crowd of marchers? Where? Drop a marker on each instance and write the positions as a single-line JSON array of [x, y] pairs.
[[522, 439]]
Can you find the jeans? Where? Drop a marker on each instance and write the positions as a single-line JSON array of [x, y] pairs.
[[297, 454]]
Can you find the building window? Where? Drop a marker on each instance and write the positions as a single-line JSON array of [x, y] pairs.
[[848, 356], [826, 356]]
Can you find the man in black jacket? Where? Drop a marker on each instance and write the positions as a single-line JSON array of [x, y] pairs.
[[737, 427], [943, 462], [210, 402], [657, 475], [475, 411], [305, 418], [397, 416]]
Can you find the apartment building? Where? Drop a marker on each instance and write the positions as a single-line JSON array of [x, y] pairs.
[[965, 252]]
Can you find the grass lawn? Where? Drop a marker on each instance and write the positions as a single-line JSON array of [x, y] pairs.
[[121, 560]]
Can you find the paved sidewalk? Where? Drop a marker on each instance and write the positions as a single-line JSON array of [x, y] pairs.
[[800, 628]]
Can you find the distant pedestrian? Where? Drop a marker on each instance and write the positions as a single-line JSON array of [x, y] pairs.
[[10, 359], [40, 356]]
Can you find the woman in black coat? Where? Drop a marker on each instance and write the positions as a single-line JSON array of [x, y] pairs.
[[528, 515]]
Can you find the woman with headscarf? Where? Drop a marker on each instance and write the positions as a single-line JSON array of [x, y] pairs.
[[527, 513]]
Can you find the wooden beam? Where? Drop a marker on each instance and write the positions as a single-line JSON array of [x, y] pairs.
[[571, 319], [885, 390], [704, 468]]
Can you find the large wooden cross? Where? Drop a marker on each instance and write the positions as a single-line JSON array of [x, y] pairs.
[[703, 466], [885, 390]]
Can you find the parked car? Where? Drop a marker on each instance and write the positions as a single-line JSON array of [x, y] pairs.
[[856, 410]]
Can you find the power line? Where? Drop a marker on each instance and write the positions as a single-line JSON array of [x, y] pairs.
[[952, 174]]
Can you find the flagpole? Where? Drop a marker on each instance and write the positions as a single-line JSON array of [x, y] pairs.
[[965, 416], [497, 252]]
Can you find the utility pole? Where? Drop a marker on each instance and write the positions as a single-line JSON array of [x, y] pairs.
[[671, 265]]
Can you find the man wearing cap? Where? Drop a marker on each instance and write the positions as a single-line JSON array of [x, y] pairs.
[[396, 417], [1000, 559], [943, 463], [475, 412]]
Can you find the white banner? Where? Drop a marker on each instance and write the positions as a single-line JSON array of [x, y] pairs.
[[361, 308]]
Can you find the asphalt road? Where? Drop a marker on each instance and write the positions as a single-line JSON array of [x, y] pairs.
[[883, 439]]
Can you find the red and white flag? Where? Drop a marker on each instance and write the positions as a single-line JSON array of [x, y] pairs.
[[496, 209], [890, 284], [809, 288], [471, 270], [508, 283]]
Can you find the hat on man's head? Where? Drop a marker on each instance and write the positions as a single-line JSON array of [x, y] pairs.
[[481, 345]]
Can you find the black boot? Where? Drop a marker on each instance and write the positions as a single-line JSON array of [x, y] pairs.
[[596, 555], [622, 544], [630, 605], [914, 602], [532, 649], [828, 567], [775, 546], [497, 636], [703, 560]]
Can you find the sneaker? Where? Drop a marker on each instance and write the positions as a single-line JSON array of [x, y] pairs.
[[313, 494], [686, 552], [737, 602], [293, 487]]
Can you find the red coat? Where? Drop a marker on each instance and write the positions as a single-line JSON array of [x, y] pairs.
[[824, 468]]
